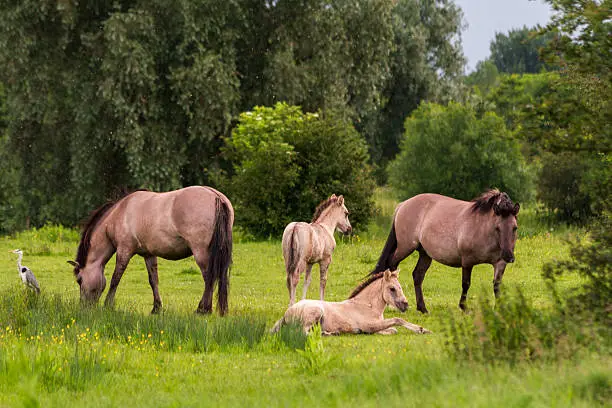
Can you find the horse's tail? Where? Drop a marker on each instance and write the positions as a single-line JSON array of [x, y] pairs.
[[220, 251], [293, 254], [384, 262]]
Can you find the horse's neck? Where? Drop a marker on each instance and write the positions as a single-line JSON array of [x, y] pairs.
[[325, 221], [372, 297]]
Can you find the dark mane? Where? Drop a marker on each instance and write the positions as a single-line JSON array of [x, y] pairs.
[[494, 198], [366, 283], [90, 225], [323, 206]]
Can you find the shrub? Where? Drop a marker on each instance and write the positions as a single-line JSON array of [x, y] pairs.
[[514, 331], [451, 150], [590, 257], [285, 162], [561, 186]]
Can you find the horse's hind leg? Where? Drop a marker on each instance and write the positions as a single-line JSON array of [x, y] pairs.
[[293, 279], [205, 305], [466, 280], [323, 266], [417, 276], [151, 262], [307, 279], [122, 260]]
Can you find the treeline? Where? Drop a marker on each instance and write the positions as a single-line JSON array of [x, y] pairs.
[[141, 94], [280, 103]]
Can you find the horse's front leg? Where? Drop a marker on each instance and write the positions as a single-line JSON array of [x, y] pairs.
[[323, 266], [122, 260], [151, 262], [385, 324], [499, 268], [466, 280]]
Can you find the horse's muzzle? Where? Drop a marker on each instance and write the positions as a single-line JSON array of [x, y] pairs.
[[402, 306], [508, 256]]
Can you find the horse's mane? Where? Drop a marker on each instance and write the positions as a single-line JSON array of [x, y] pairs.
[[324, 205], [366, 283], [487, 200], [90, 225]]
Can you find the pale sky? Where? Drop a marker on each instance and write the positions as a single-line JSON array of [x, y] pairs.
[[486, 17]]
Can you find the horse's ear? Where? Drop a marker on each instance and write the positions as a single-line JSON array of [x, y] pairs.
[[74, 263], [516, 209], [387, 275], [341, 200], [333, 196]]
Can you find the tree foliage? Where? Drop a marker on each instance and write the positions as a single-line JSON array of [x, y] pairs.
[[139, 93], [286, 162], [426, 64], [452, 151], [518, 51]]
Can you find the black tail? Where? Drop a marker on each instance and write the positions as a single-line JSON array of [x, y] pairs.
[[384, 262], [220, 251]]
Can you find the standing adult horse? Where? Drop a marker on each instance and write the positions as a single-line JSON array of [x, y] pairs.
[[174, 225], [306, 244], [455, 233]]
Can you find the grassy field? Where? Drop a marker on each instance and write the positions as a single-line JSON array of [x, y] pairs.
[[52, 351]]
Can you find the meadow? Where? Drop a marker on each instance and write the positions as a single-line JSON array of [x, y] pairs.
[[52, 351]]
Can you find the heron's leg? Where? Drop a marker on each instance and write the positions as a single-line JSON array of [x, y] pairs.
[[122, 260], [466, 281], [151, 262]]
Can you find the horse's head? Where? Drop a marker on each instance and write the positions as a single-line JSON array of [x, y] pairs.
[[340, 214], [506, 227], [91, 282], [393, 294]]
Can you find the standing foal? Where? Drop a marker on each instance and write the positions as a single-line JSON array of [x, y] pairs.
[[306, 244]]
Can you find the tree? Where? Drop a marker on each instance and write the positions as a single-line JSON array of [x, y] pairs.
[[451, 151], [286, 162], [426, 64], [518, 52], [484, 78], [139, 93]]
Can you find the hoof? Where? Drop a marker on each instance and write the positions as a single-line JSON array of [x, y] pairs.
[[156, 310], [463, 307], [203, 311], [424, 331], [422, 309]]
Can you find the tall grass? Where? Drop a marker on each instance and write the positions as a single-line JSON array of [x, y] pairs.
[[514, 331], [26, 315]]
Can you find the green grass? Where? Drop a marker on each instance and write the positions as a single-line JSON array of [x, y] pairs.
[[52, 351]]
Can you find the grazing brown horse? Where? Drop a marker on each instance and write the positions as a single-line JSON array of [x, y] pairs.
[[362, 312], [306, 244], [455, 233], [174, 225]]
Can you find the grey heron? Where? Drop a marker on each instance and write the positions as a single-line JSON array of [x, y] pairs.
[[27, 276]]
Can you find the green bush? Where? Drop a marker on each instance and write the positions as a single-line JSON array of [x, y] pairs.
[[515, 331], [285, 162], [590, 257], [453, 151], [575, 186]]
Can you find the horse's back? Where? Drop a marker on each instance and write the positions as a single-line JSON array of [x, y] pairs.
[[434, 222], [169, 224]]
